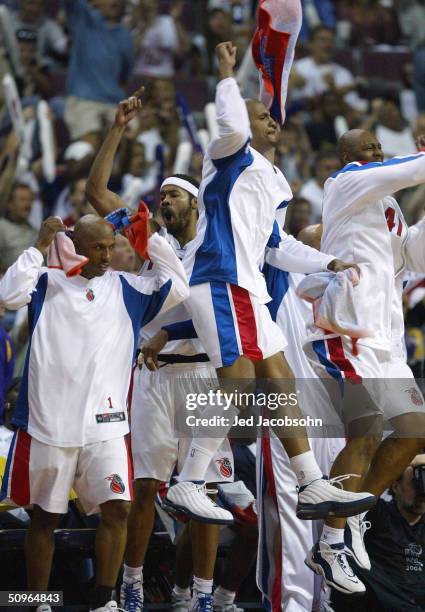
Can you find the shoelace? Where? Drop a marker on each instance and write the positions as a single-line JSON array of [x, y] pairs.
[[337, 480], [205, 604], [132, 599], [364, 526], [202, 489], [340, 556]]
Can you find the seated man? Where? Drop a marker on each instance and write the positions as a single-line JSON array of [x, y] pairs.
[[396, 547]]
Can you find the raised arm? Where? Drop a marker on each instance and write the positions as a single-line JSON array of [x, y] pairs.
[[20, 280], [166, 289], [359, 185], [232, 116], [100, 197]]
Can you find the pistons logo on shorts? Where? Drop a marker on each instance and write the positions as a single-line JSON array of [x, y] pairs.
[[117, 485], [225, 467], [415, 396], [90, 295]]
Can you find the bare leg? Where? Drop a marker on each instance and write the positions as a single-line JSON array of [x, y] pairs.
[[110, 543], [39, 548], [141, 520]]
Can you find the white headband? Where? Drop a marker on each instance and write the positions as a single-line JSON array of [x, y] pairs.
[[182, 183]]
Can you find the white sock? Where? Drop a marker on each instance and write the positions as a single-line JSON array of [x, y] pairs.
[[133, 574], [305, 468], [181, 593], [202, 586], [332, 535], [223, 597]]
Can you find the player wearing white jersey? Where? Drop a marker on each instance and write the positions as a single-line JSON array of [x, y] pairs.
[[159, 390], [285, 581], [71, 411], [241, 191], [363, 221]]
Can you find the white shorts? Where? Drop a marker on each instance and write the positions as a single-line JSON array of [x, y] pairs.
[[231, 322], [37, 473], [380, 384], [155, 447]]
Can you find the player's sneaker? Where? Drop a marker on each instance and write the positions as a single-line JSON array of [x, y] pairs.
[[323, 497], [190, 498], [111, 606], [180, 604], [201, 602], [330, 561], [354, 540], [44, 608], [131, 596], [227, 608]]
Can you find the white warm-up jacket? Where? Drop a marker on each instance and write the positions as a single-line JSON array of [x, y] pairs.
[[363, 224]]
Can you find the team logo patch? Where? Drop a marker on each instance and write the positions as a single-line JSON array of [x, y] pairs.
[[225, 467], [117, 485], [415, 396], [90, 295]]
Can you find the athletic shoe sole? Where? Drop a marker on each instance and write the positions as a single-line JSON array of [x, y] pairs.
[[337, 509], [202, 519], [318, 569]]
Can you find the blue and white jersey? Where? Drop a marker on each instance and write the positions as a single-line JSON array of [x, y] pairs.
[[362, 223], [238, 198], [83, 336]]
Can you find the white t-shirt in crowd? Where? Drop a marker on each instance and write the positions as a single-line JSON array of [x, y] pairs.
[[156, 53]]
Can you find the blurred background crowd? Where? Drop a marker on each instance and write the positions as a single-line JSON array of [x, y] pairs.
[[360, 63]]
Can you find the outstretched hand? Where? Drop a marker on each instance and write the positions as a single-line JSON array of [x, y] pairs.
[[128, 108], [336, 265], [226, 55], [420, 142]]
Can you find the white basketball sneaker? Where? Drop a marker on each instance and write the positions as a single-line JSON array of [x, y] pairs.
[[190, 498], [330, 561], [354, 539], [322, 498]]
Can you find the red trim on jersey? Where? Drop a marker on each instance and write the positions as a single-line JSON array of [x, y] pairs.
[[276, 595], [246, 323], [20, 483], [127, 441], [338, 357]]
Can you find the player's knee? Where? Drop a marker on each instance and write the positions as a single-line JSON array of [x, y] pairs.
[[368, 431], [145, 490], [411, 425], [115, 512], [42, 520]]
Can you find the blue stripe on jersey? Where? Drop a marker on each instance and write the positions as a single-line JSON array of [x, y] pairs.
[[283, 204], [277, 282], [215, 260], [353, 166], [275, 237], [229, 349], [141, 307], [6, 475], [20, 416]]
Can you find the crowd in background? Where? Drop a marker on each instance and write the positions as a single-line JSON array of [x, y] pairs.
[[359, 63]]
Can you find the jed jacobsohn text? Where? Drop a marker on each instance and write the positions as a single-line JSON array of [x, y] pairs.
[[225, 400], [251, 421]]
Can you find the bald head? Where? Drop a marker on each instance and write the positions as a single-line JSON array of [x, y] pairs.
[[359, 145], [94, 238], [90, 226], [311, 235]]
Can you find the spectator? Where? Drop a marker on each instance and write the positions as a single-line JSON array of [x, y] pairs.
[[294, 152], [326, 163], [412, 22], [392, 132], [50, 37], [395, 544], [316, 12], [371, 23], [317, 73], [298, 216], [321, 126], [218, 29], [100, 64], [123, 257], [77, 202], [16, 234], [160, 39], [35, 81]]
